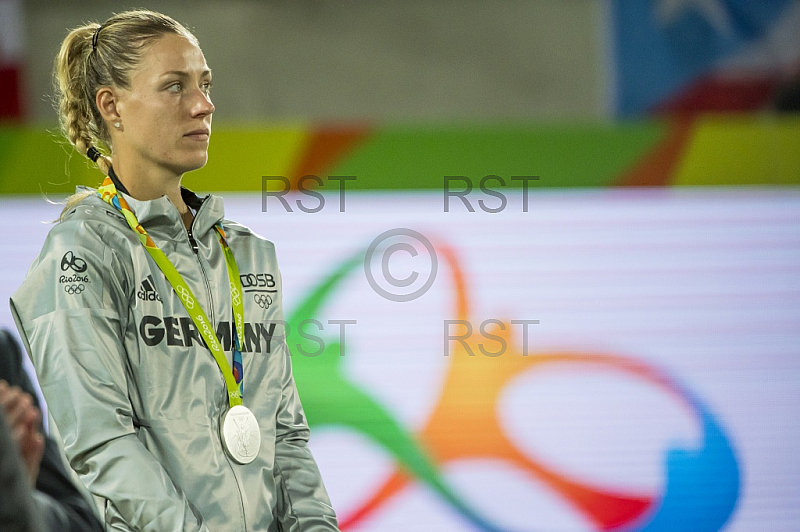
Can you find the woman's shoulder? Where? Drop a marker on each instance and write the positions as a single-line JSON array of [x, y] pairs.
[[80, 250], [238, 231], [89, 226], [90, 218]]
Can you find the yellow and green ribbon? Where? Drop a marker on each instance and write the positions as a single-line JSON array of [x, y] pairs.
[[233, 378]]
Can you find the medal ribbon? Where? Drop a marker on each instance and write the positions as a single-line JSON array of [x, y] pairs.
[[233, 379]]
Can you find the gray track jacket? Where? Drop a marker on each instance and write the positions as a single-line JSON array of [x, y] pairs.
[[137, 396]]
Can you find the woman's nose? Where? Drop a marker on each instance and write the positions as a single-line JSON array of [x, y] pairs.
[[203, 105]]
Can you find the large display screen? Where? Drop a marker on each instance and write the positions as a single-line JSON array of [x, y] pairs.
[[577, 360]]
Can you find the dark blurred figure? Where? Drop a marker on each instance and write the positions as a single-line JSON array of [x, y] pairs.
[[57, 501], [18, 513]]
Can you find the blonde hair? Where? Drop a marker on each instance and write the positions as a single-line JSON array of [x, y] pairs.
[[100, 55]]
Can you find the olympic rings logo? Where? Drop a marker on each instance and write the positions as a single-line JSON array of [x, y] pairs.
[[186, 296], [73, 289], [263, 300], [236, 297]]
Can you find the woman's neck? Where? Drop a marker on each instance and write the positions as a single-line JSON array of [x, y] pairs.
[[149, 183]]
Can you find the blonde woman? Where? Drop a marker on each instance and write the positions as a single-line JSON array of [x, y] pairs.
[[172, 389]]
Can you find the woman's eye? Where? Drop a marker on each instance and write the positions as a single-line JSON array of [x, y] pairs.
[[175, 87], [207, 86]]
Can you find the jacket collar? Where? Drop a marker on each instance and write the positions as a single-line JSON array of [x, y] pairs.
[[161, 214]]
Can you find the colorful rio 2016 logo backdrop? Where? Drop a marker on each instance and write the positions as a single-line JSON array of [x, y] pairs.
[[702, 485]]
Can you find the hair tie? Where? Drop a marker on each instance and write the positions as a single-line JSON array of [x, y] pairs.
[[94, 37], [93, 154]]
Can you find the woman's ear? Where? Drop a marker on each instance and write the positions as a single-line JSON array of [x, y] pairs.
[[107, 102]]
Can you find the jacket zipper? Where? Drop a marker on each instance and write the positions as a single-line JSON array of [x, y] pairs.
[[196, 249], [192, 241]]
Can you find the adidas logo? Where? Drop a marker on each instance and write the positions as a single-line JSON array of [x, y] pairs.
[[147, 291]]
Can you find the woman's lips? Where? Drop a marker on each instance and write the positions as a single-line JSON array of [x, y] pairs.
[[198, 135]]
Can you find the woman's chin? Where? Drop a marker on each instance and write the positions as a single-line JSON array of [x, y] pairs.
[[194, 163]]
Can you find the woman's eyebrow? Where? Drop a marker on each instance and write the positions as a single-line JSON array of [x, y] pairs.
[[183, 73]]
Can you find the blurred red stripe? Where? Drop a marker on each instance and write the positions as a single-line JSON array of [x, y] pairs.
[[11, 92]]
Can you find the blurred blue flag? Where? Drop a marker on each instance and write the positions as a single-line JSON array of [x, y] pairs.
[[667, 52]]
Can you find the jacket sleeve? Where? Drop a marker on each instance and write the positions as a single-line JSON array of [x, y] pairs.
[[303, 503], [71, 312]]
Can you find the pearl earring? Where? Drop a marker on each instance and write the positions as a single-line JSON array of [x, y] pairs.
[[117, 125]]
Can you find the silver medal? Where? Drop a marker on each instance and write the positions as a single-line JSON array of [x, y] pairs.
[[241, 436]]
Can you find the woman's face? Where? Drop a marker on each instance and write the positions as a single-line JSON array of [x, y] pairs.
[[166, 114]]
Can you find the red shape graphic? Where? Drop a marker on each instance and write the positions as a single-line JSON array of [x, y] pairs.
[[722, 94], [328, 144], [658, 166]]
